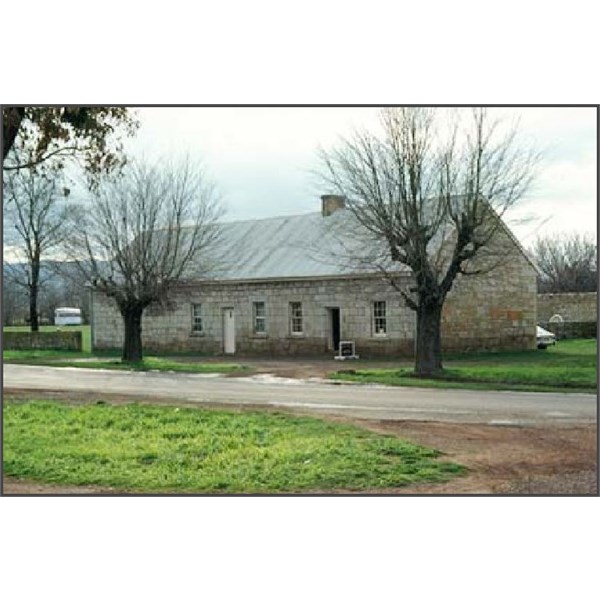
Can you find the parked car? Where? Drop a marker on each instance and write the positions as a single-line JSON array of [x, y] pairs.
[[544, 338]]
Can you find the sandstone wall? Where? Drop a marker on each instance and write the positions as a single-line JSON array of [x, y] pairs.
[[483, 312], [575, 307], [496, 309], [171, 330], [492, 312]]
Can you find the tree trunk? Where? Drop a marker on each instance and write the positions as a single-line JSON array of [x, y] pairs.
[[132, 345], [33, 311], [11, 121], [34, 291], [429, 349]]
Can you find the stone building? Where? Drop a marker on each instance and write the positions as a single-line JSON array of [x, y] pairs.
[[281, 286]]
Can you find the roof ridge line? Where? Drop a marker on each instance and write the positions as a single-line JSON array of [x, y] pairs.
[[269, 218]]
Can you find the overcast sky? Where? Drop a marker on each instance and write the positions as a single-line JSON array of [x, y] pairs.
[[262, 158]]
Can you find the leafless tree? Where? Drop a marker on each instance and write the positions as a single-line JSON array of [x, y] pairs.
[[35, 222], [66, 286], [142, 233], [14, 301], [430, 202], [567, 263]]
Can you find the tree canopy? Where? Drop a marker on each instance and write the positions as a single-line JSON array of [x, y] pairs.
[[33, 136], [142, 233], [35, 221], [433, 202], [567, 263]]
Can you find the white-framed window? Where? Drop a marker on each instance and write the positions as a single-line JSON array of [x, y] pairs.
[[296, 317], [379, 318], [197, 318], [260, 317]]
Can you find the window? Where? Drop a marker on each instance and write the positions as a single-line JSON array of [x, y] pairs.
[[379, 318], [197, 318], [260, 317], [296, 317]]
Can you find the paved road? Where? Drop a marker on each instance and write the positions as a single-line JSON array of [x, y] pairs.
[[376, 402]]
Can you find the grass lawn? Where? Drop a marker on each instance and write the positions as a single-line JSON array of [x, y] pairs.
[[144, 448], [570, 365], [105, 359], [86, 337], [56, 358]]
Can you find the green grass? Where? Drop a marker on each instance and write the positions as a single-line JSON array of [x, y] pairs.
[[55, 358], [579, 352], [66, 358], [153, 363], [144, 448], [100, 358], [570, 366], [37, 356], [86, 337]]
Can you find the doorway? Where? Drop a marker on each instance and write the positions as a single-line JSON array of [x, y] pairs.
[[334, 328], [228, 331]]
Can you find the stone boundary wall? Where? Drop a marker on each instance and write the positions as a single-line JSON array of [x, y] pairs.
[[42, 340], [581, 307], [572, 329]]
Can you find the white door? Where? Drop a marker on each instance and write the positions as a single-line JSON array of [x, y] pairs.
[[228, 331]]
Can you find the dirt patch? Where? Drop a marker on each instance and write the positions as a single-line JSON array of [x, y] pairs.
[[501, 460], [506, 460], [299, 368]]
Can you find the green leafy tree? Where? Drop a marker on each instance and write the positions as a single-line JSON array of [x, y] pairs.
[[35, 137]]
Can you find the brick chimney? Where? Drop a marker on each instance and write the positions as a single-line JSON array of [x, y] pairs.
[[330, 203]]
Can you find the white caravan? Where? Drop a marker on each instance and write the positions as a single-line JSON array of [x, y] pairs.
[[67, 316]]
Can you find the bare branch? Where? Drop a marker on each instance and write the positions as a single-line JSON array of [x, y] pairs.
[[434, 203], [67, 150], [34, 223], [567, 262], [145, 231]]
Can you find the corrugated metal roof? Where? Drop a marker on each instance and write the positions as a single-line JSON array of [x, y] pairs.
[[307, 245]]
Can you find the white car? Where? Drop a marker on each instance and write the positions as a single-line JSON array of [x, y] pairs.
[[544, 338]]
